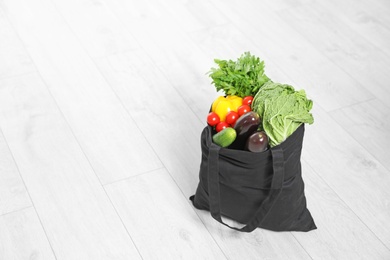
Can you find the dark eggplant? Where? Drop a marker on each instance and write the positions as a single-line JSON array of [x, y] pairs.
[[257, 142], [245, 125]]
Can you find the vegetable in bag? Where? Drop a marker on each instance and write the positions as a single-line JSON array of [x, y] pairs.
[[282, 109]]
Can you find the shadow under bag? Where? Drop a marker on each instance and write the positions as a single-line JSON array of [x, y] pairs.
[[263, 190]]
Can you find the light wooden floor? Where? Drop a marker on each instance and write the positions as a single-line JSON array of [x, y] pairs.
[[102, 103]]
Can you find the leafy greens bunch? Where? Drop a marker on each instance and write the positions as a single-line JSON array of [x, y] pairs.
[[243, 77], [282, 110]]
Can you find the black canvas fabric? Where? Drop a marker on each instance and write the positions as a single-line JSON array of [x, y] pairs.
[[263, 190]]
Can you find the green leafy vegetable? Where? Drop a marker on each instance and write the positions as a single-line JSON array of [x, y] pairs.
[[268, 91], [243, 77], [282, 110]]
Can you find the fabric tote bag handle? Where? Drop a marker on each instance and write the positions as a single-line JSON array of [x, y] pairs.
[[266, 205]]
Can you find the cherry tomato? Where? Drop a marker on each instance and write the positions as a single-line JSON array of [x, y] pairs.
[[243, 109], [212, 119], [247, 100], [221, 125], [231, 117]]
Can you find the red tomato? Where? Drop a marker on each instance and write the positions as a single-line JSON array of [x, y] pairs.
[[243, 109], [247, 100], [221, 125], [212, 119], [231, 117]]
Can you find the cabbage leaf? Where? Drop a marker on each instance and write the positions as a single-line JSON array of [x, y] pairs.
[[282, 110]]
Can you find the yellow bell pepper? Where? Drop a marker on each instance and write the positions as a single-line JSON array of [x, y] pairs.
[[215, 103], [223, 105], [236, 101]]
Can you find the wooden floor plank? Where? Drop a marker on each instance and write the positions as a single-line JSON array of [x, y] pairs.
[[146, 19], [341, 234], [279, 5], [357, 177], [368, 18], [347, 49], [160, 112], [13, 193], [102, 126], [13, 57], [22, 237], [79, 219], [152, 204], [369, 124], [97, 28], [191, 16]]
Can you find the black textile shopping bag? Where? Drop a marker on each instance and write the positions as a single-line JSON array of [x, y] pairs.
[[263, 190]]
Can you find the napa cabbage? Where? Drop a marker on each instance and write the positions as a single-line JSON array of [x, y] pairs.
[[282, 109]]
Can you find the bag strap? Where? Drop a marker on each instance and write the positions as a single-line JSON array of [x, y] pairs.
[[266, 205]]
